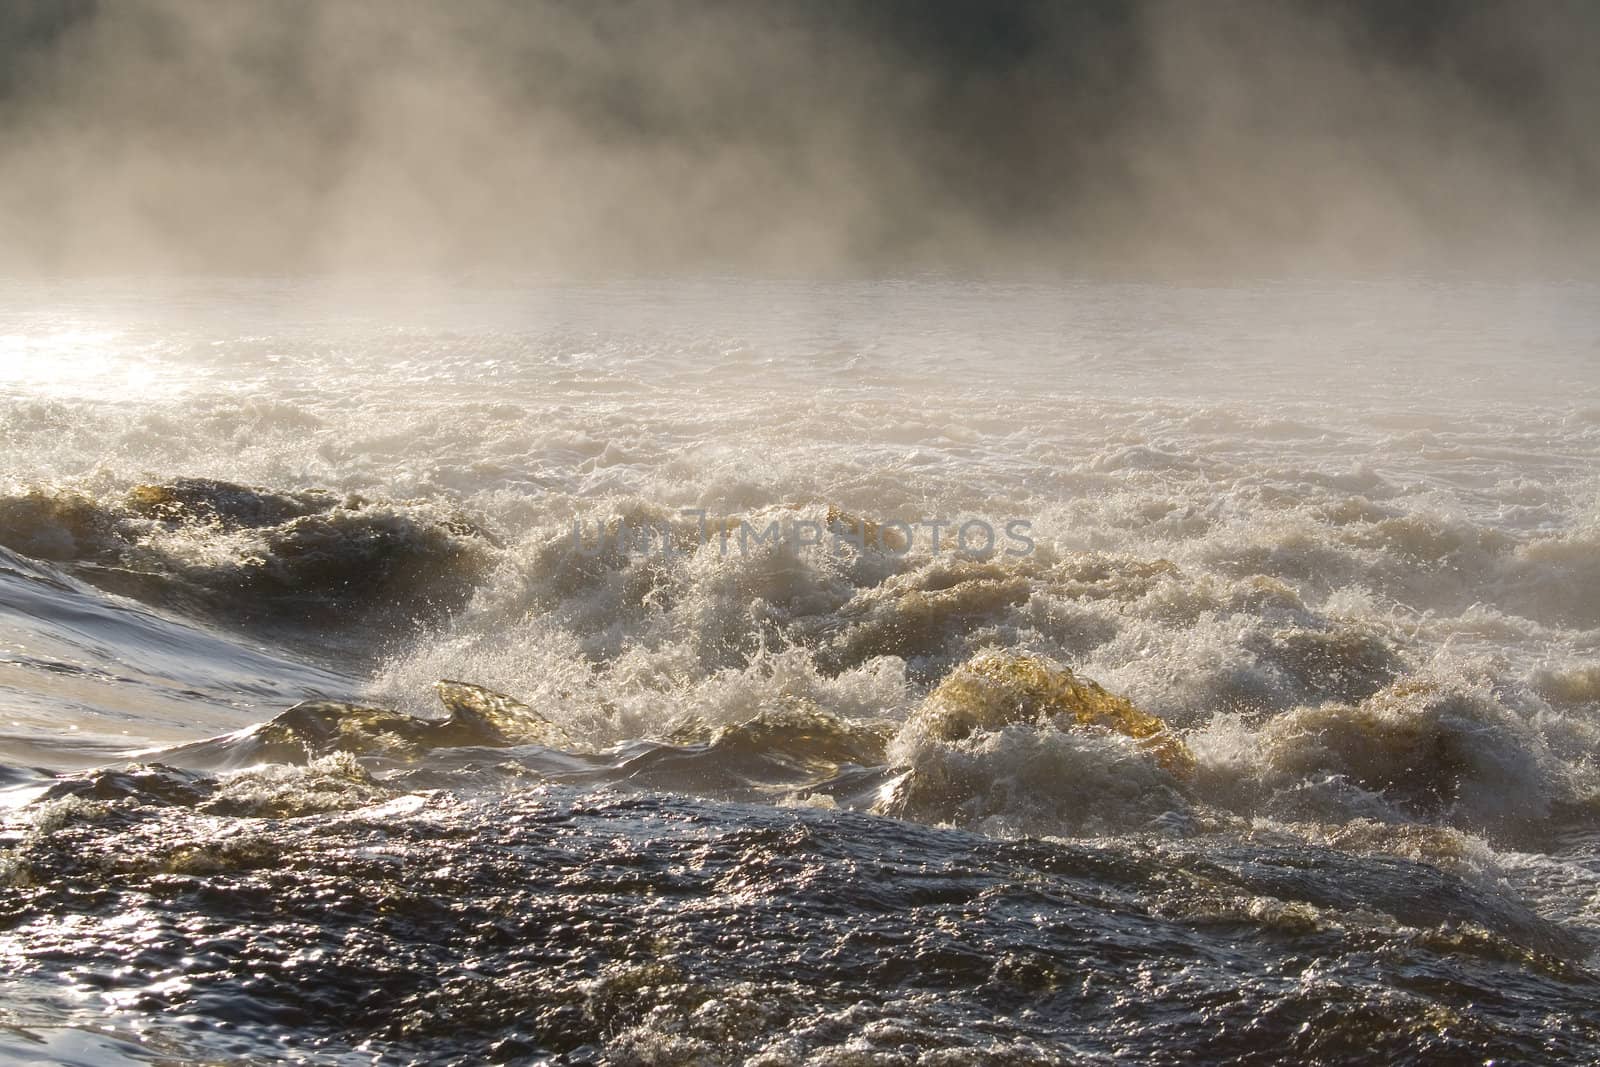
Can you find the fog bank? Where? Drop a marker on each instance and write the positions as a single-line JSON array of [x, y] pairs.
[[797, 136]]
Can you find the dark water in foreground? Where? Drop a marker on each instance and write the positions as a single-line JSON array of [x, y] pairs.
[[605, 928]]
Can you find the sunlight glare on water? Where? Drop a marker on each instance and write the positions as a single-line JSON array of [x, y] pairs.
[[68, 360]]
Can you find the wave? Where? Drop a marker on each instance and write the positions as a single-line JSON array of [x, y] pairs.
[[1007, 744], [307, 560], [87, 676], [930, 686]]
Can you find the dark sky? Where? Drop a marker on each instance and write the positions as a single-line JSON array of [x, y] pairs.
[[798, 135]]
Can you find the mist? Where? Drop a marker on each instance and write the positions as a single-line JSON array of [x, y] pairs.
[[797, 137]]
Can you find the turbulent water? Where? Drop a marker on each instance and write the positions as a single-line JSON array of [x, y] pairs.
[[455, 673]]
